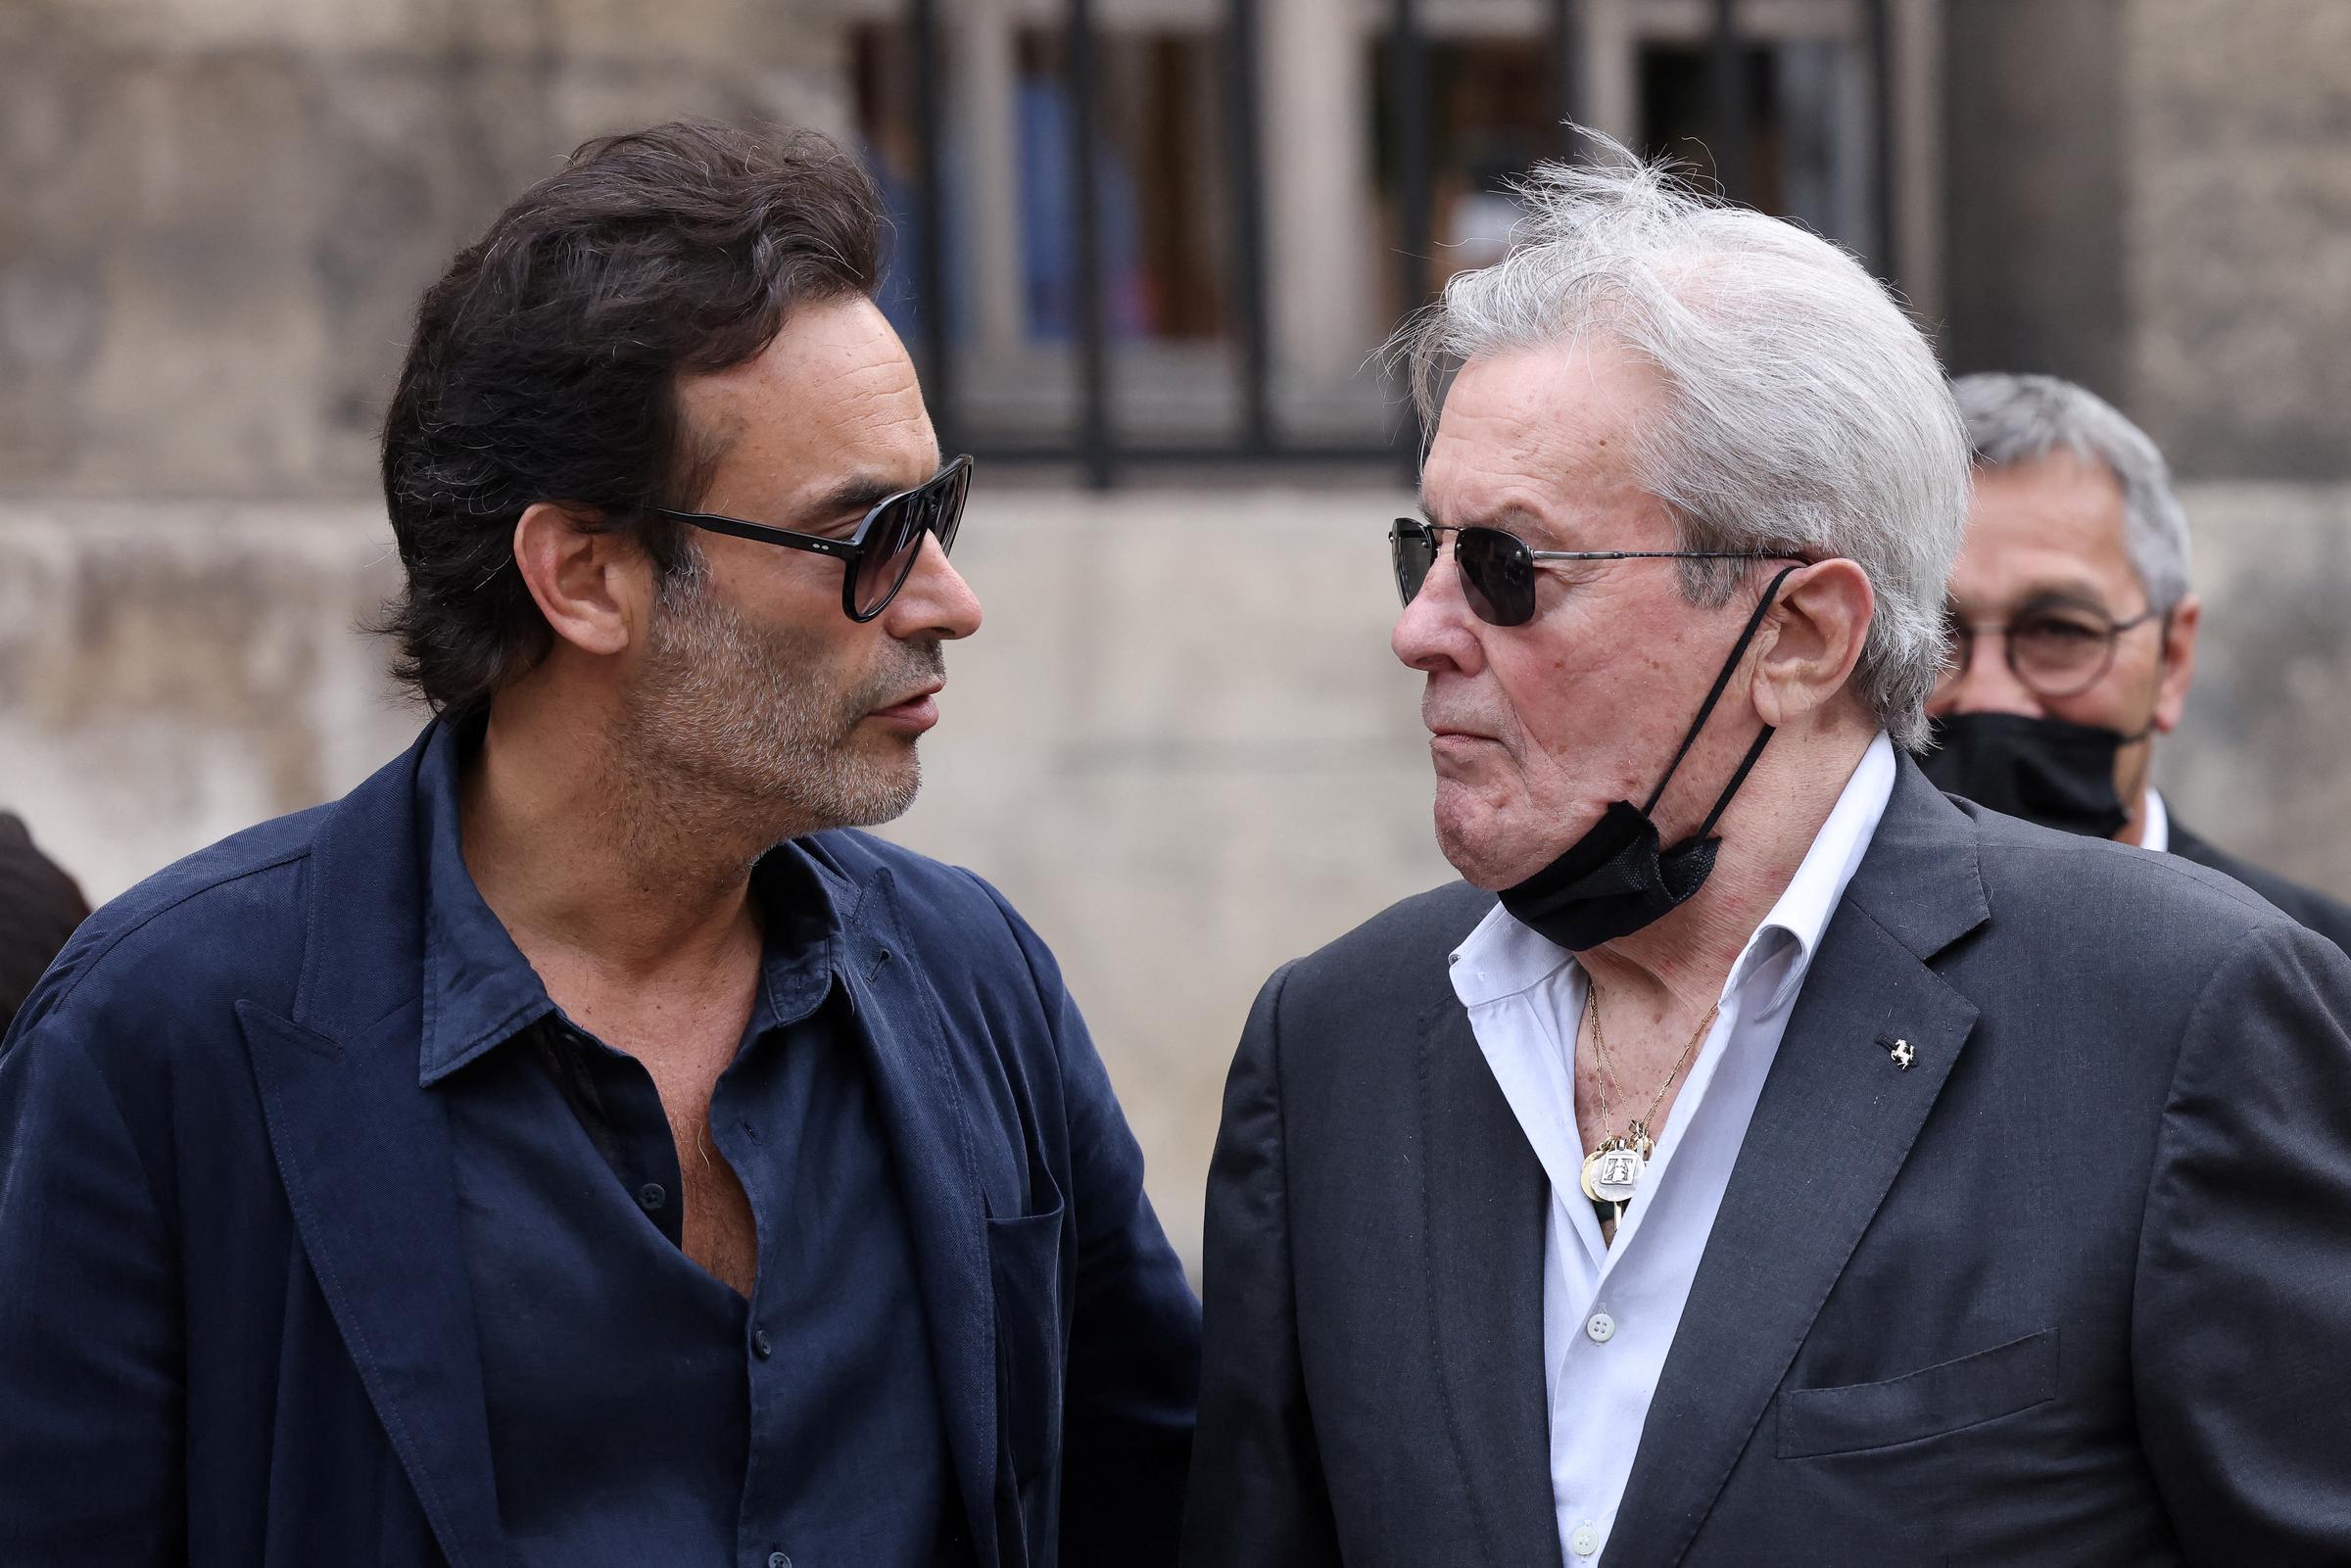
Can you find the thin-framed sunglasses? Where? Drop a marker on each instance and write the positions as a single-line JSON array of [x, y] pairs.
[[879, 555], [1498, 570], [2057, 648]]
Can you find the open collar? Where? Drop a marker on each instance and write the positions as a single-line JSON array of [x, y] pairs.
[[479, 991], [366, 1164], [1502, 956]]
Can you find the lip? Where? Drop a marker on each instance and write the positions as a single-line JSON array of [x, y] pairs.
[[915, 713]]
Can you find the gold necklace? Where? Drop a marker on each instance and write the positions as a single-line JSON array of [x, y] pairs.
[[1612, 1171]]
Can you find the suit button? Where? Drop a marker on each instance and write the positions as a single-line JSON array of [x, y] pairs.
[[762, 1345], [777, 1559], [1585, 1541], [1602, 1327]]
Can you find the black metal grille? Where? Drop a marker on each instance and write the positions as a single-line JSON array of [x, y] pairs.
[[1096, 445]]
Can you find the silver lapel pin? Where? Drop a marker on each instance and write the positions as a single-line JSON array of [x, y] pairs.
[[1903, 1056]]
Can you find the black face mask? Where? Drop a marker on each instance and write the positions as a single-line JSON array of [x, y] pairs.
[[1615, 880], [2047, 770]]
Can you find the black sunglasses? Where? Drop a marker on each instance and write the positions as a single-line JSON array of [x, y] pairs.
[[1498, 570], [880, 556]]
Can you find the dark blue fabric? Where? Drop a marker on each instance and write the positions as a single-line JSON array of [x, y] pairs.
[[237, 1328], [624, 1384]]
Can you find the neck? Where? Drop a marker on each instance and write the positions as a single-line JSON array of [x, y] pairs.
[[1677, 967], [586, 861], [2134, 790]]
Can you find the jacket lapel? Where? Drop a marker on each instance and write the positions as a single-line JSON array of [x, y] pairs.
[[1836, 1120], [1483, 1197], [364, 1155], [930, 1142]]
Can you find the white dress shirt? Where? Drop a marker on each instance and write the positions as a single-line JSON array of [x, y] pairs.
[[2155, 823], [1609, 1313]]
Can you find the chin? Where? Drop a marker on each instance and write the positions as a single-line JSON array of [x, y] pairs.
[[878, 793], [1465, 837]]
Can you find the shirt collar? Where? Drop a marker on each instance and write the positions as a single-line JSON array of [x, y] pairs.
[[480, 990], [2155, 823], [1813, 893], [1502, 956]]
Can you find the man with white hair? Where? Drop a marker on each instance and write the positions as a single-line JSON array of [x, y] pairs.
[[1759, 1158], [2072, 631]]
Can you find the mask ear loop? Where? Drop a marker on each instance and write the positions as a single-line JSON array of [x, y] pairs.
[[1722, 680]]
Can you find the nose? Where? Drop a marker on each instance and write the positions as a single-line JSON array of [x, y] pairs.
[[1984, 684], [936, 601], [1434, 631]]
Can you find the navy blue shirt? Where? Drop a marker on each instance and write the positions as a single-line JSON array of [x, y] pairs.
[[639, 1410]]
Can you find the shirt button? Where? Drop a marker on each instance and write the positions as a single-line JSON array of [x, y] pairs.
[[762, 1345], [1602, 1327], [650, 1196], [1585, 1541]]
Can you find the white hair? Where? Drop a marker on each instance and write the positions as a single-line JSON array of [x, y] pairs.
[[1804, 412], [2022, 419]]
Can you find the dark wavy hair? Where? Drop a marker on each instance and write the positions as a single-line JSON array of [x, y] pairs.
[[545, 368]]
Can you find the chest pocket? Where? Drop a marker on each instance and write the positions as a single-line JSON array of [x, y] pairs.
[[1024, 1254], [1929, 1403]]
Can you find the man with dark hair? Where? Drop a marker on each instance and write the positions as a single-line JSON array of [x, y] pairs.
[[575, 1146], [39, 907]]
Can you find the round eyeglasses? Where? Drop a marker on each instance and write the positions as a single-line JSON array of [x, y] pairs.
[[2053, 649]]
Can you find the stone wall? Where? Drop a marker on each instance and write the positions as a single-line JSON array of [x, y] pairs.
[[2034, 189], [2238, 234], [221, 213], [2153, 198], [1179, 743]]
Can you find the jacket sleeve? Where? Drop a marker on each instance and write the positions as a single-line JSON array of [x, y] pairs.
[[2241, 1316], [1132, 1378], [90, 1358], [1257, 1496]]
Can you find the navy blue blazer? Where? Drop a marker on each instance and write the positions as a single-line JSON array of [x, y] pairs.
[[235, 1327]]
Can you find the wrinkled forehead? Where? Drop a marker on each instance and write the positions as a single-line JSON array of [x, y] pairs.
[[2052, 526], [1550, 432], [834, 392]]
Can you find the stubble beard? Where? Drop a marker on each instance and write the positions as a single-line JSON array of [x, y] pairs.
[[739, 720]]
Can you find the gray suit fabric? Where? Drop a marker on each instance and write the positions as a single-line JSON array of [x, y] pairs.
[[2073, 1289], [2314, 909]]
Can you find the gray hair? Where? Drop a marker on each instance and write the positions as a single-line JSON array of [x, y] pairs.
[[2022, 419], [1805, 414]]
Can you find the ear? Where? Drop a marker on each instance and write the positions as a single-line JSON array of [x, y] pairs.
[[595, 588], [2179, 669], [1811, 641]]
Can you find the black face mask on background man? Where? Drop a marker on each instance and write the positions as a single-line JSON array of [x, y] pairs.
[[1615, 880], [2047, 770]]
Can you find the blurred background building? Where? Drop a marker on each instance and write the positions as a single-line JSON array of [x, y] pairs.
[[1146, 249]]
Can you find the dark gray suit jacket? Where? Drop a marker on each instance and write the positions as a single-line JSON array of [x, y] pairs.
[[2074, 1289], [2311, 908]]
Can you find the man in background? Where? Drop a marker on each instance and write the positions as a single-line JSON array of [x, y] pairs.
[[39, 907], [2073, 630], [574, 1146]]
